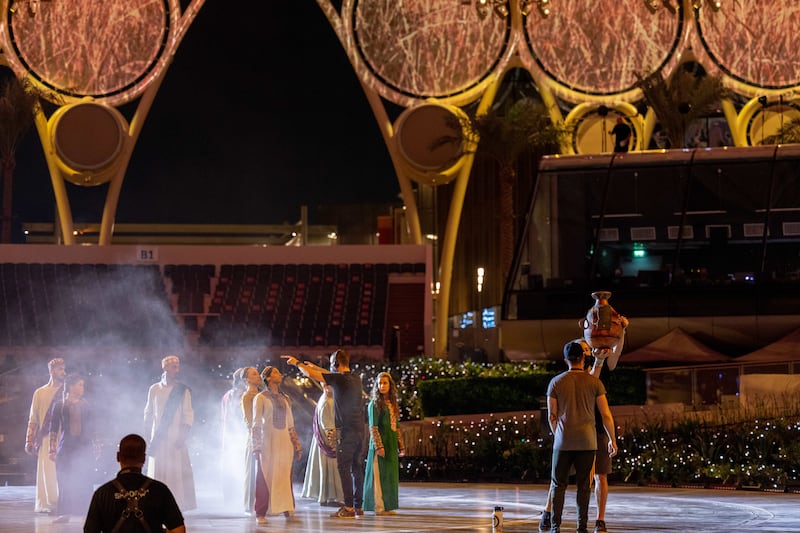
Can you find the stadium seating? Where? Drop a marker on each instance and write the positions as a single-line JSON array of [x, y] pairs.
[[227, 305], [74, 304]]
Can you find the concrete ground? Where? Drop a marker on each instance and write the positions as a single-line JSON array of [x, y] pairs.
[[439, 507]]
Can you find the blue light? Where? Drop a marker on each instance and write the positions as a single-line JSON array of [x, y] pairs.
[[488, 318]]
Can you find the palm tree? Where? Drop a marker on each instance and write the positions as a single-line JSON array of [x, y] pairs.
[[17, 108], [689, 95], [505, 134], [789, 133]]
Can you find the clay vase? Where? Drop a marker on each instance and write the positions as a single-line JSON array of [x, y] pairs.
[[603, 327]]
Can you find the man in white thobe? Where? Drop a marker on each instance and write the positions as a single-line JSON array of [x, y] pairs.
[[168, 417], [37, 438]]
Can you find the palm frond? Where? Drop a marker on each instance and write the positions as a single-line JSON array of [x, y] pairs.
[[524, 127], [789, 133], [681, 100], [17, 106]]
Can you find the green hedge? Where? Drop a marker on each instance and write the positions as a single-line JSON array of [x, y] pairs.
[[490, 394], [626, 386], [444, 397]]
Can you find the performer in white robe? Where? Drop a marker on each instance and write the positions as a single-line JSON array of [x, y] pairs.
[[322, 481], [254, 386], [234, 441], [37, 439], [277, 447], [168, 423]]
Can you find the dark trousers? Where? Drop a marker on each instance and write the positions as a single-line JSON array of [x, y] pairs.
[[74, 465], [261, 497], [350, 463], [563, 460]]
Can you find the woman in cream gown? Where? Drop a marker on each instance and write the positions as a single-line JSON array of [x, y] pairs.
[[276, 446]]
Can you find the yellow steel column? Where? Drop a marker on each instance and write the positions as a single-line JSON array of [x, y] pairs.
[[57, 179], [115, 186], [451, 234], [387, 131]]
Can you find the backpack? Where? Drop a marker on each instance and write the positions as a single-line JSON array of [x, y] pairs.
[[132, 507]]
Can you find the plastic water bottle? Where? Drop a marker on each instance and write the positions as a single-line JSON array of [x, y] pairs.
[[497, 520]]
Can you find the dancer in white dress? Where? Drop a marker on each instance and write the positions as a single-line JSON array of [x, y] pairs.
[[276, 445]]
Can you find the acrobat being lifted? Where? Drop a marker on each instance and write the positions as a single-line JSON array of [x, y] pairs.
[[88, 62]]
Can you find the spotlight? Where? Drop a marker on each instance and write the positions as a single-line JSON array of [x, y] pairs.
[[483, 9], [715, 5], [500, 9], [762, 100], [668, 4], [655, 5], [544, 7], [603, 111]]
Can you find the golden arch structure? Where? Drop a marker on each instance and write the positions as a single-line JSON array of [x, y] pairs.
[[88, 58], [439, 56]]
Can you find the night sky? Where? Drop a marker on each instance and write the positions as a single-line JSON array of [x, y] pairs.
[[259, 114]]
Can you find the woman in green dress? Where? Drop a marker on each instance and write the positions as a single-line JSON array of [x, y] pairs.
[[382, 477]]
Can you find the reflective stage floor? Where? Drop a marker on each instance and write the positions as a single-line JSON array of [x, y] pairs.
[[440, 507]]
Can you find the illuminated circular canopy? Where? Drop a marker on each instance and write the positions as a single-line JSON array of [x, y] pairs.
[[105, 49], [769, 120], [593, 131], [430, 138], [596, 47], [427, 49], [88, 138], [769, 27]]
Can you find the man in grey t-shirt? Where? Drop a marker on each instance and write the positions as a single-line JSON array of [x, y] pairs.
[[571, 400]]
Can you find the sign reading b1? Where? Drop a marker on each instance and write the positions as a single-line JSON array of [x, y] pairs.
[[147, 255]]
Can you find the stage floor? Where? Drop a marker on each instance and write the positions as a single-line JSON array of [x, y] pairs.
[[439, 507]]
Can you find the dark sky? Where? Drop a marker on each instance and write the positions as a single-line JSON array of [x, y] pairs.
[[259, 113]]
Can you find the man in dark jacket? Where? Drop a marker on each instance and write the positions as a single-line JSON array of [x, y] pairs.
[[132, 501], [351, 428]]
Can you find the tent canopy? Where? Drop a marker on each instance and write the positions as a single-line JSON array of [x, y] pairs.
[[784, 349], [677, 347]]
